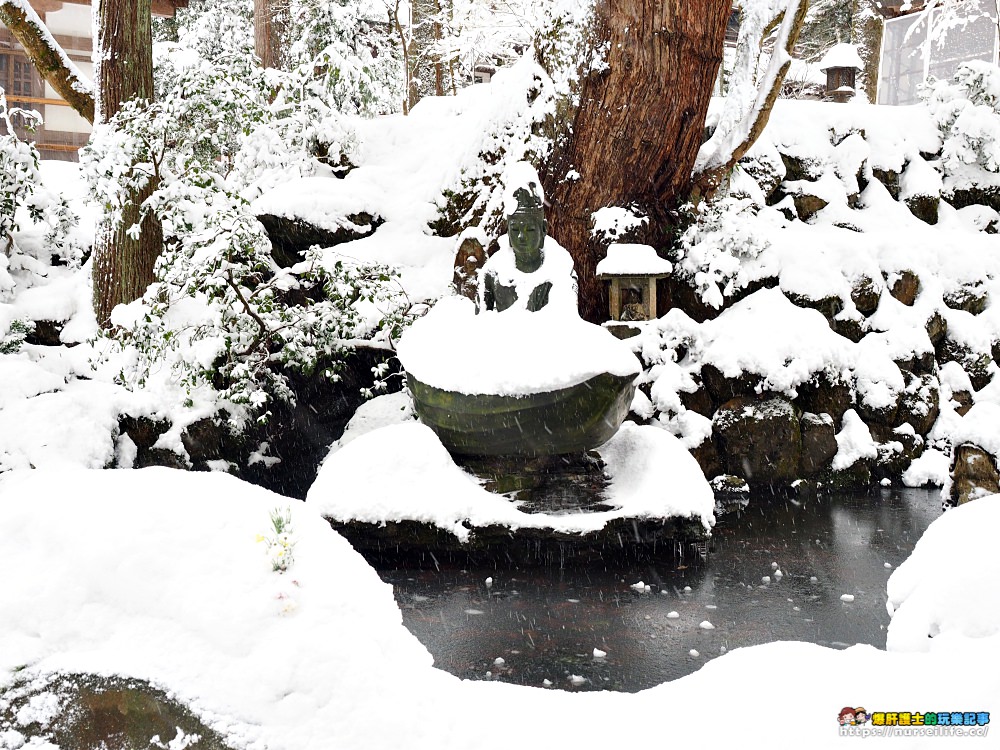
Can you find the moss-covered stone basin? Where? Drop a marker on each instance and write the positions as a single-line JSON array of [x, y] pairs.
[[568, 420]]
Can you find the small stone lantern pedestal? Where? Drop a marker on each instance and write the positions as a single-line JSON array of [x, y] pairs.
[[632, 271]]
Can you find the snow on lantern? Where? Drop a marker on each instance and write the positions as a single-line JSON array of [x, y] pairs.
[[632, 271], [841, 65]]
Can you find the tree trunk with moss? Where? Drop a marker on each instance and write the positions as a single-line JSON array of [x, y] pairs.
[[645, 72], [867, 35], [123, 261]]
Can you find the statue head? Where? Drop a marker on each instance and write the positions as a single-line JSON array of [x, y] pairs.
[[526, 228]]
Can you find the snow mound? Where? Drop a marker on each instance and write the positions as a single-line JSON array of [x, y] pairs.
[[927, 599], [744, 339]]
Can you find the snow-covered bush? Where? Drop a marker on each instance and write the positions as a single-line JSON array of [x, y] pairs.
[[715, 247], [966, 109], [351, 60], [21, 190], [221, 313]]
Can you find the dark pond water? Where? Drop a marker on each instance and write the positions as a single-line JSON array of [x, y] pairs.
[[544, 623]]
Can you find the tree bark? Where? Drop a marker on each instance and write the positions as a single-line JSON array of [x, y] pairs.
[[270, 24], [47, 57], [867, 35], [635, 134], [123, 264]]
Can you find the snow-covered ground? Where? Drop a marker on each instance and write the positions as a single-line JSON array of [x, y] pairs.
[[167, 576]]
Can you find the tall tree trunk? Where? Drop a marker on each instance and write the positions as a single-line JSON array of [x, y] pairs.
[[634, 136], [123, 264], [270, 18], [866, 33]]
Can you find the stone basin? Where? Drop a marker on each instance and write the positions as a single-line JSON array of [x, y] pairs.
[[568, 420]]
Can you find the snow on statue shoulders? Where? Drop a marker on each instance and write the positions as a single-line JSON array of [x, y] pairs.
[[552, 285], [529, 271]]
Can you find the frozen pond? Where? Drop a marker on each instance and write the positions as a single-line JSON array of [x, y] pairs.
[[544, 623]]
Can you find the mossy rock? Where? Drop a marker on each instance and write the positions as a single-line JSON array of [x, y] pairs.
[[823, 396], [920, 405], [291, 237], [819, 442], [143, 431], [866, 293], [797, 168], [857, 476], [759, 439], [976, 364], [936, 327], [924, 207], [974, 474], [112, 713], [830, 306], [890, 179], [723, 389], [807, 206], [972, 298], [979, 196]]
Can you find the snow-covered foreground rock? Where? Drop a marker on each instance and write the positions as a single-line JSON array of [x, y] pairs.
[[652, 476], [932, 597], [159, 575]]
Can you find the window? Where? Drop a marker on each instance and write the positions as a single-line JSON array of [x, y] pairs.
[[17, 76]]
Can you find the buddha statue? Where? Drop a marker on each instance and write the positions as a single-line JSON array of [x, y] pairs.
[[529, 271]]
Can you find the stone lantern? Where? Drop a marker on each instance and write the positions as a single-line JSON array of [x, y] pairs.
[[841, 65], [632, 271]]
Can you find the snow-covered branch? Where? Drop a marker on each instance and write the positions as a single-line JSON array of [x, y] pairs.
[[47, 56], [749, 105]]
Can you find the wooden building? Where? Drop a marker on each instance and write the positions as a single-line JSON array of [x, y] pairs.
[[69, 21]]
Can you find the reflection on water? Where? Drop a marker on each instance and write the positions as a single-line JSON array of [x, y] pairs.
[[545, 623]]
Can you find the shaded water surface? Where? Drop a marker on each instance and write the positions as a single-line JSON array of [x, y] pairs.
[[544, 623]]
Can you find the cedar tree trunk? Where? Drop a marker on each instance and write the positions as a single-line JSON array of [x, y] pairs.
[[123, 265], [635, 135], [270, 18]]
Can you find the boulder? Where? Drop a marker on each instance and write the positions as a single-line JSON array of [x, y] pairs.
[[976, 364], [924, 207], [759, 439], [977, 196], [807, 206], [964, 401], [723, 389], [890, 179], [866, 293], [920, 405], [291, 237], [830, 306], [973, 474], [969, 297], [936, 327], [850, 326], [83, 712], [819, 442], [822, 396], [905, 287], [707, 456]]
